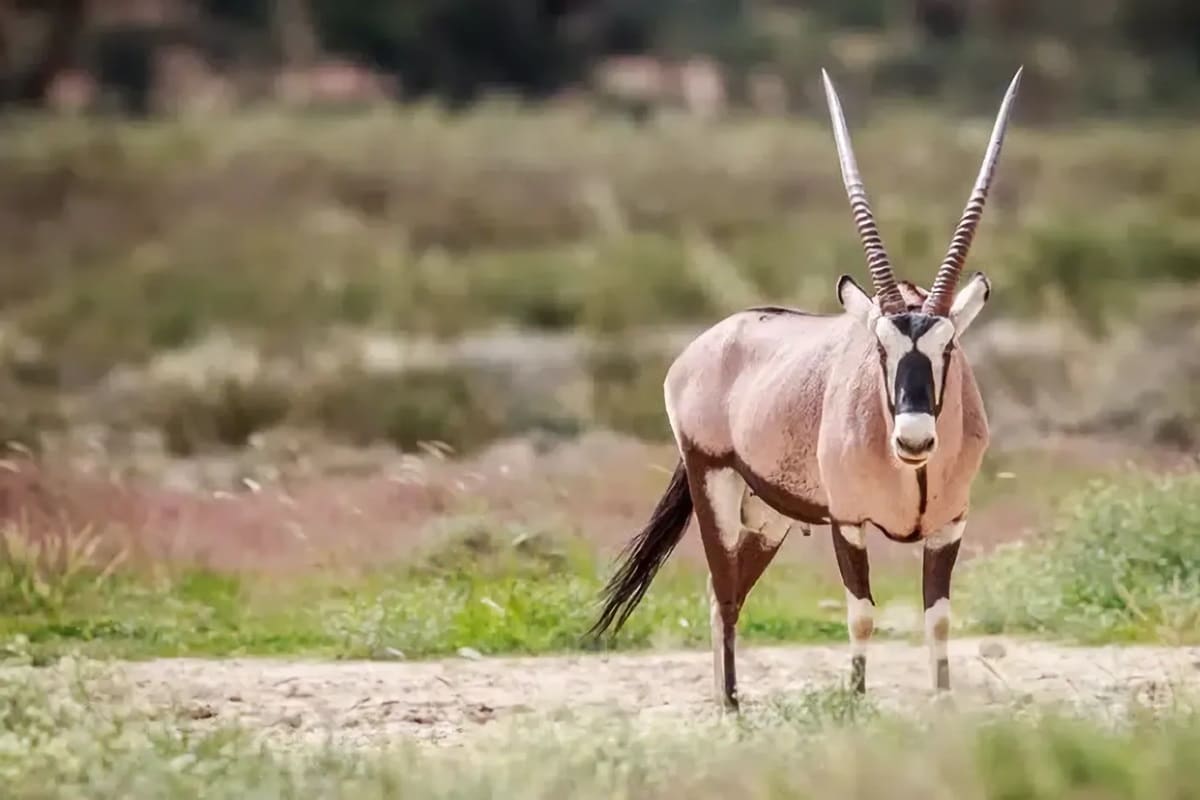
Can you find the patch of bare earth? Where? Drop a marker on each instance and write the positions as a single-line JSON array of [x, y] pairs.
[[448, 702]]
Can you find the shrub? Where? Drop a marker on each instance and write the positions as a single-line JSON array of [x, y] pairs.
[[405, 409], [1124, 560], [227, 414], [627, 394]]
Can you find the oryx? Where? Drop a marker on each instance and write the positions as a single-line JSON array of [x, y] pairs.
[[865, 420]]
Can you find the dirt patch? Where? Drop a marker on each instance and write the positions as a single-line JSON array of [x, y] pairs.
[[447, 702]]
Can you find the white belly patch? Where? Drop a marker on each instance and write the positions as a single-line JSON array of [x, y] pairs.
[[760, 518], [738, 511]]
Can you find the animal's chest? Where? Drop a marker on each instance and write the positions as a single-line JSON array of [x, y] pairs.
[[902, 504], [900, 507], [906, 504]]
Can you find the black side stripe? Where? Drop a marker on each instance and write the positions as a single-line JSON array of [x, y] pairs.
[[923, 490]]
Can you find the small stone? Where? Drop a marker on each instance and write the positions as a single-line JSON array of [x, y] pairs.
[[829, 605], [469, 653], [482, 713], [992, 649], [388, 654], [202, 712]]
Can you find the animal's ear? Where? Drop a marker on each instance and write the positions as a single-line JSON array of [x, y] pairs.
[[969, 302], [857, 303]]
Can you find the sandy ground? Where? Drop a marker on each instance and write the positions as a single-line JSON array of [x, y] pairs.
[[446, 702]]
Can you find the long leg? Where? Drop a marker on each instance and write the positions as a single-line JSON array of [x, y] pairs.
[[741, 535], [850, 547], [763, 531], [717, 494], [941, 551]]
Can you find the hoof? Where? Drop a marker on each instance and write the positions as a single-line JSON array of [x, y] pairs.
[[858, 674], [942, 700]]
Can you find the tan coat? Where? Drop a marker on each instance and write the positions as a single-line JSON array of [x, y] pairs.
[[796, 401]]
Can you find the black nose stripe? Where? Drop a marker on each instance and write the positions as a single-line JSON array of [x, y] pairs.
[[914, 384]]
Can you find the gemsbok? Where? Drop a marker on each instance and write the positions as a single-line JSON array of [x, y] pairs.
[[865, 420]]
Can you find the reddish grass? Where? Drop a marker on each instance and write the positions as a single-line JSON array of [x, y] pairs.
[[598, 487]]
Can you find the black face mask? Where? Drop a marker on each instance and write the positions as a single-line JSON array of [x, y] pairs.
[[913, 392], [914, 384]]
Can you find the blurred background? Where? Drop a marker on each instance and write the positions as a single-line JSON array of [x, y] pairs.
[[270, 243]]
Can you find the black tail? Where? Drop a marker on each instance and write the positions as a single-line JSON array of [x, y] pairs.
[[645, 554]]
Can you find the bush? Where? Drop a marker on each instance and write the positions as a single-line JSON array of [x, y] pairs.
[[1092, 266], [405, 409], [1124, 561], [227, 414], [627, 394]]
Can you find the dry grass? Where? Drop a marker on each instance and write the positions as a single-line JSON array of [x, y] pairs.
[[343, 254], [268, 512], [422, 222]]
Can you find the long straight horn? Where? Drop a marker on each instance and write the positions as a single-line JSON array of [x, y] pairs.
[[890, 301], [941, 295]]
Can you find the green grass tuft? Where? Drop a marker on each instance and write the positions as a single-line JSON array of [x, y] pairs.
[[483, 586], [1123, 562]]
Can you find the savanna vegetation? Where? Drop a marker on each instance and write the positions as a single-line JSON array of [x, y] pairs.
[[212, 279], [1114, 563], [1117, 567], [249, 356], [483, 587]]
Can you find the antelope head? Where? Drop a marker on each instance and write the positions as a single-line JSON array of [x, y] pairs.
[[915, 342]]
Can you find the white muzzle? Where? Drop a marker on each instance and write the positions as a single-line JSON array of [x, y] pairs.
[[914, 437]]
